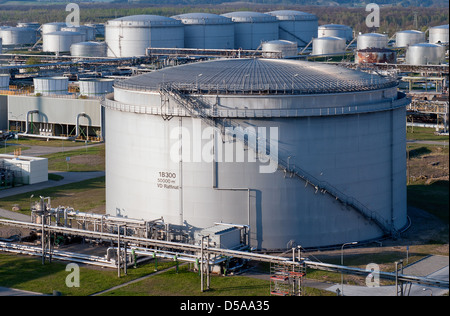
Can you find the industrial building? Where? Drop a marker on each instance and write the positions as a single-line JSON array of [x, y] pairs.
[[340, 170]]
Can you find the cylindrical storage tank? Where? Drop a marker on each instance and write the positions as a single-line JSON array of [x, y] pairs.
[[132, 35], [253, 28], [296, 26], [88, 49], [18, 36], [60, 41], [372, 40], [52, 27], [88, 31], [425, 54], [328, 45], [336, 30], [4, 82], [207, 31], [409, 37], [97, 87], [286, 48], [51, 85], [330, 168], [438, 34], [376, 56]]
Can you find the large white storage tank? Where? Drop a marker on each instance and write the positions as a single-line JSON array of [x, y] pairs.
[[336, 30], [51, 85], [4, 82], [409, 37], [438, 34], [285, 48], [132, 35], [88, 49], [253, 28], [296, 26], [372, 40], [89, 32], [96, 87], [331, 166], [328, 45], [425, 54], [52, 27], [207, 31], [18, 36], [60, 41]]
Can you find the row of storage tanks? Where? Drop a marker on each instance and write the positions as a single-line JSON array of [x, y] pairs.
[[48, 86], [283, 30]]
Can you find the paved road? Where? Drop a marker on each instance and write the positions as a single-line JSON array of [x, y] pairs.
[[429, 142], [4, 291], [439, 265]]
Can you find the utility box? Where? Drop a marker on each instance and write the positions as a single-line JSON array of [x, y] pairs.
[[27, 170], [220, 236]]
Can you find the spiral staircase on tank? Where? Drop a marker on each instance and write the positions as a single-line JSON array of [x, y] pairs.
[[196, 108]]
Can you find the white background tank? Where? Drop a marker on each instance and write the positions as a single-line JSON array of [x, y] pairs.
[[51, 85], [4, 81], [286, 48], [88, 31], [328, 45], [425, 54], [32, 25], [60, 41], [18, 36], [296, 26], [336, 30], [96, 87], [207, 31], [372, 40], [409, 37], [438, 34], [132, 35], [52, 27], [253, 28], [88, 49], [342, 126], [99, 28]]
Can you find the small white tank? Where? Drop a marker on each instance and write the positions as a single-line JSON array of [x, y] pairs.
[[372, 40], [425, 54], [88, 49], [328, 45], [409, 37], [60, 41], [438, 34], [51, 85], [96, 87], [286, 48]]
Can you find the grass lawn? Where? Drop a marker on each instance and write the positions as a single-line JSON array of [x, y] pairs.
[[423, 133], [90, 158], [28, 273], [85, 196]]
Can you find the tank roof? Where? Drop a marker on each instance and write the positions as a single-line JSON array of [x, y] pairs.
[[258, 76], [144, 20], [202, 18], [292, 15], [250, 16], [334, 26]]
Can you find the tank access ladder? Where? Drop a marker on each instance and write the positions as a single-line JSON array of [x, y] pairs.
[[196, 108]]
